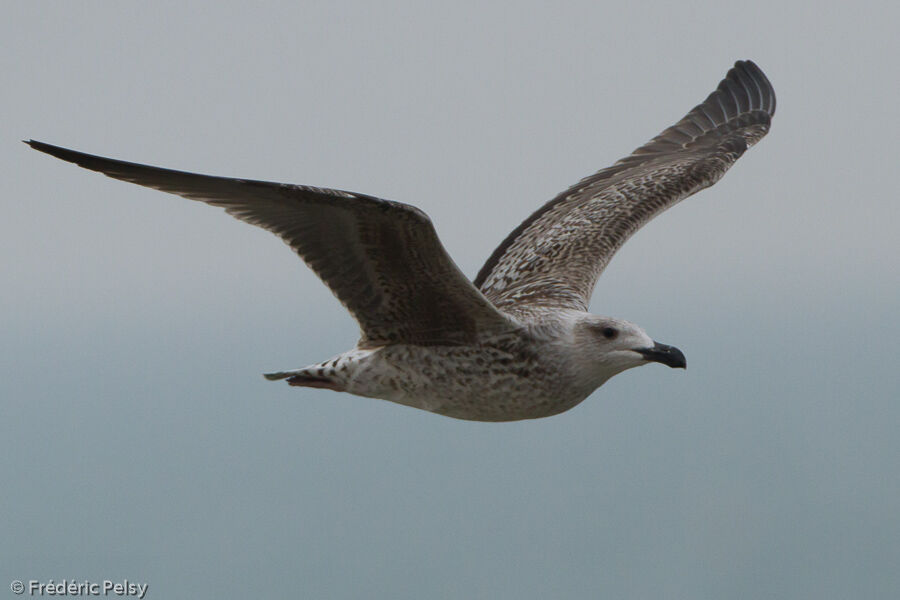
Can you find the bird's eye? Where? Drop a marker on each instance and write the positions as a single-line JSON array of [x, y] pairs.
[[609, 333]]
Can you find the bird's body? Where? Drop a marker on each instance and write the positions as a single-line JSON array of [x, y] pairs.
[[519, 342], [501, 376], [536, 369]]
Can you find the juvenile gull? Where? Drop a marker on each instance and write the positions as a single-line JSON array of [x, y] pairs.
[[519, 342]]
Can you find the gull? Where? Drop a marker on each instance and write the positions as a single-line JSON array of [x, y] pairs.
[[518, 342]]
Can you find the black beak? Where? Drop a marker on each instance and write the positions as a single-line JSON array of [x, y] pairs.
[[667, 355]]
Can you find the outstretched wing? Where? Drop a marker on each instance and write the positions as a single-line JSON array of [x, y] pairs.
[[554, 257], [382, 259]]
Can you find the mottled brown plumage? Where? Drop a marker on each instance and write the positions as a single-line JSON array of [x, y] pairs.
[[518, 343], [554, 257]]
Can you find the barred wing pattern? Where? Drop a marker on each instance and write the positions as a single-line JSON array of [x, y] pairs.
[[554, 257], [382, 259]]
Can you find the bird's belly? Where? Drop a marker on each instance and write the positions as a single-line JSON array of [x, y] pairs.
[[476, 383]]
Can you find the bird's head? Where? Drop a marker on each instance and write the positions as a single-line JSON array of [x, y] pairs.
[[611, 346]]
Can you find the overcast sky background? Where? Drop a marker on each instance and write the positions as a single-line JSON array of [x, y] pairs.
[[139, 441]]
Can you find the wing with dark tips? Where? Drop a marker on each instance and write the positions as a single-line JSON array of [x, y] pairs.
[[554, 257], [382, 259]]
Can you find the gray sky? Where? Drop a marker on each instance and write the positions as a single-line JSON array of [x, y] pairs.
[[139, 440]]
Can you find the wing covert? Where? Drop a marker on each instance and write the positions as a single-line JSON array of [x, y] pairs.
[[553, 259]]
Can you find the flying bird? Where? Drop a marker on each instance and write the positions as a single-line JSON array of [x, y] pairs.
[[518, 342]]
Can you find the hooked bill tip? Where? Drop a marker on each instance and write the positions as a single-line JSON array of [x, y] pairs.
[[665, 354]]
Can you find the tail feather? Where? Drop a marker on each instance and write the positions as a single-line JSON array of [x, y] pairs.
[[304, 378], [282, 374]]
